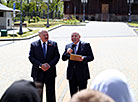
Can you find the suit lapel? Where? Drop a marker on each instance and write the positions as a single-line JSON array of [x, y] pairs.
[[79, 48], [70, 46], [40, 48], [48, 47]]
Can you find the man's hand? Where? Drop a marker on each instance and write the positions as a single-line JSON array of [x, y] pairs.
[[69, 50], [45, 66], [80, 58]]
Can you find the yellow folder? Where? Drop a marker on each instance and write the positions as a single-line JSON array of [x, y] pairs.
[[75, 57]]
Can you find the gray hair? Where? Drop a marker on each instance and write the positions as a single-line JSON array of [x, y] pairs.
[[90, 96], [41, 30]]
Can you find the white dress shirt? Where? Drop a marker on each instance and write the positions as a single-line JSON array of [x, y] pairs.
[[77, 46], [45, 45]]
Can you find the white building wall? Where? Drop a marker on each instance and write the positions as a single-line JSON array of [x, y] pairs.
[[8, 20], [3, 21]]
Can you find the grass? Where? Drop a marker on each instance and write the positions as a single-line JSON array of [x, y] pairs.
[[52, 22], [134, 24], [41, 23], [25, 34], [72, 22]]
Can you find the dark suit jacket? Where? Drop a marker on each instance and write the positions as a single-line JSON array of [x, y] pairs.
[[80, 69], [36, 57]]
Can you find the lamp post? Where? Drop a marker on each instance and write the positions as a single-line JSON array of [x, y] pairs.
[[84, 2], [20, 30], [56, 12], [52, 14], [37, 11], [8, 2], [28, 8], [129, 14], [43, 14], [47, 2], [75, 11], [33, 13], [59, 14]]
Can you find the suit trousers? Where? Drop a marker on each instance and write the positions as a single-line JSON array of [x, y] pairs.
[[76, 85], [50, 89]]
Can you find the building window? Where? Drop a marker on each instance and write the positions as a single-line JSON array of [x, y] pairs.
[[136, 1], [8, 22], [67, 6], [1, 14]]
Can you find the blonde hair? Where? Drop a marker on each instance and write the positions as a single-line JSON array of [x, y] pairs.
[[90, 96]]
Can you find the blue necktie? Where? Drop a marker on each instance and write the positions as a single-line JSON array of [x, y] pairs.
[[75, 49], [44, 49]]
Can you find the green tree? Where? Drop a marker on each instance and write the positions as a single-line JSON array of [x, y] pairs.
[[3, 2], [30, 5]]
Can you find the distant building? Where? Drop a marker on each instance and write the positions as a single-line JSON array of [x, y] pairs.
[[5, 17], [102, 10]]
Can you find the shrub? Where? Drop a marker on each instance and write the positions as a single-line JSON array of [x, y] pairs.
[[37, 18], [34, 18], [71, 21]]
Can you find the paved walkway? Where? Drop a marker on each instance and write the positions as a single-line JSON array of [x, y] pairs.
[[114, 46]]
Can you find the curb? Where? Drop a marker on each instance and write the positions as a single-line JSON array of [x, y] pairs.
[[136, 31], [132, 26]]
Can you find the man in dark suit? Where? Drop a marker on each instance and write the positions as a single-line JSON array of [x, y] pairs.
[[44, 56], [77, 71]]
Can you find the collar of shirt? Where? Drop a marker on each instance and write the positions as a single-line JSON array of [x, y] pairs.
[[77, 46], [43, 42]]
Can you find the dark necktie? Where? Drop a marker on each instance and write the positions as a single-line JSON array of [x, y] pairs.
[[74, 49], [44, 49]]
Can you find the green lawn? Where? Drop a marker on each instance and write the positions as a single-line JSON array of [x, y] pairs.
[[25, 34], [134, 24], [42, 23]]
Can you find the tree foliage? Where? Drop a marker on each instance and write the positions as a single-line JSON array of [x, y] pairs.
[[36, 5]]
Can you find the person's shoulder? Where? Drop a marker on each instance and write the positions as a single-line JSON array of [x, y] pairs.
[[84, 43], [35, 42], [50, 42], [69, 45]]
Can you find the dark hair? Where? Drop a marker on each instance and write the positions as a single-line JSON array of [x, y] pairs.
[[21, 91]]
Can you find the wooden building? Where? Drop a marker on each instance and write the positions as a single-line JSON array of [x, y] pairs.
[[102, 10]]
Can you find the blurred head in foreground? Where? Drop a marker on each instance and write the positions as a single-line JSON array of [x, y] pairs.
[[21, 91], [114, 84], [90, 96]]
